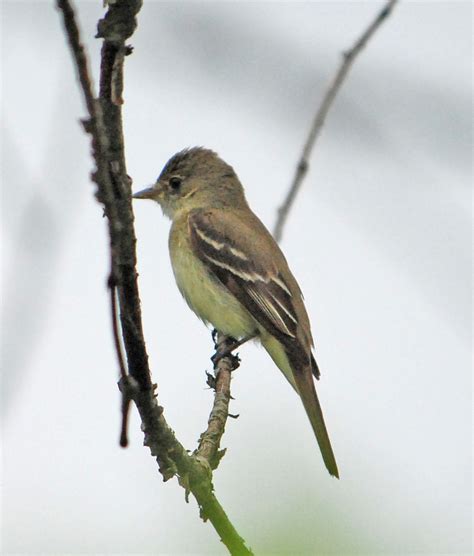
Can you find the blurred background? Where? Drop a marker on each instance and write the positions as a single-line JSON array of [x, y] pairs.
[[379, 239]]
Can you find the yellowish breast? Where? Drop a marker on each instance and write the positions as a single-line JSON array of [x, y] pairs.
[[205, 295]]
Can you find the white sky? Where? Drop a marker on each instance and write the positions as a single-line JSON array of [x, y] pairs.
[[379, 241]]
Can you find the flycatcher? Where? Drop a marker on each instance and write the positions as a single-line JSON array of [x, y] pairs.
[[232, 273]]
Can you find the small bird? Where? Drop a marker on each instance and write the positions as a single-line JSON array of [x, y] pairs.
[[232, 273]]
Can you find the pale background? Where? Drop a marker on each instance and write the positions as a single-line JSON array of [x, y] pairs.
[[379, 240]]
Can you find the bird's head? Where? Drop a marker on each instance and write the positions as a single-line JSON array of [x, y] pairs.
[[195, 178]]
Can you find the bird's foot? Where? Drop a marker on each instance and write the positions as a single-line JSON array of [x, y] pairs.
[[226, 347]]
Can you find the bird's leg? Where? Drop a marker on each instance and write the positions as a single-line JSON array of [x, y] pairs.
[[224, 349]]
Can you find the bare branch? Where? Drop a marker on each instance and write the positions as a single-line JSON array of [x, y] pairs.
[[194, 474], [82, 67], [114, 191], [318, 122], [209, 442]]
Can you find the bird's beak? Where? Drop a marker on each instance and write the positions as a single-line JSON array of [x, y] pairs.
[[148, 193]]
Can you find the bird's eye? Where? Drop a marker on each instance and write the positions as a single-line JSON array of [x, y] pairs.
[[175, 183]]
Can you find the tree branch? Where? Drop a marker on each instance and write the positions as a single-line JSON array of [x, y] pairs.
[[114, 192], [194, 474], [348, 58], [209, 442]]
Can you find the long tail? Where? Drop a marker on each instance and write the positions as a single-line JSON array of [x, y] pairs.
[[298, 367], [303, 376]]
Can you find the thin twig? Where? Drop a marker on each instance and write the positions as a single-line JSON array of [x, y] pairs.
[[318, 121], [81, 64], [121, 361], [115, 327], [118, 350], [209, 442], [95, 126]]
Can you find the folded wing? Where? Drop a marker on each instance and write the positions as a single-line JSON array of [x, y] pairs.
[[245, 271]]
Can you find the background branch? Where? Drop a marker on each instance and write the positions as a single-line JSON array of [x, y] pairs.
[[302, 167]]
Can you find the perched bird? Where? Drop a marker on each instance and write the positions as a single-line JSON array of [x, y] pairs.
[[232, 273]]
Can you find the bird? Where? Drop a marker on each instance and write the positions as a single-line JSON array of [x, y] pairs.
[[232, 273]]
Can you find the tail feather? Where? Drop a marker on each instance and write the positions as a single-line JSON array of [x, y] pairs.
[[314, 368], [294, 361], [307, 391]]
